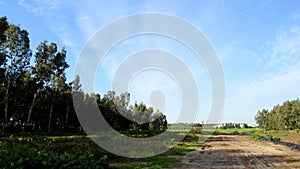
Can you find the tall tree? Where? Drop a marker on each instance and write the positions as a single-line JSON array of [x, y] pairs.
[[15, 49], [75, 98], [49, 70], [262, 118], [285, 116]]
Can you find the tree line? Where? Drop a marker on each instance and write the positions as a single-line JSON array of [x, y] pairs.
[[36, 96], [285, 116]]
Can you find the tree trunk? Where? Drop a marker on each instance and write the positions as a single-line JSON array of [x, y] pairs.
[[30, 110], [67, 116], [50, 115], [6, 105]]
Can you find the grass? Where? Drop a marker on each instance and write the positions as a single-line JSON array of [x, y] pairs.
[[161, 161], [62, 147], [155, 162], [185, 147], [177, 152], [257, 137], [69, 147], [279, 149], [240, 130]]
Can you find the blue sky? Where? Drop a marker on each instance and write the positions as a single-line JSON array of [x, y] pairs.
[[258, 43]]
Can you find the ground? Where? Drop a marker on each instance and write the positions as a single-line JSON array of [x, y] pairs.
[[239, 151]]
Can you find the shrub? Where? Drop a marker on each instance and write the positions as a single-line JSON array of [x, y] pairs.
[[275, 138], [23, 157], [257, 137], [170, 143]]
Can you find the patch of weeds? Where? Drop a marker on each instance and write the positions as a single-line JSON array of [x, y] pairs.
[[177, 152], [161, 161], [185, 147], [155, 162], [257, 137], [131, 166], [170, 143], [279, 149], [275, 138]]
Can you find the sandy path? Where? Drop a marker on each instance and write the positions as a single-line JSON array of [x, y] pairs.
[[229, 151]]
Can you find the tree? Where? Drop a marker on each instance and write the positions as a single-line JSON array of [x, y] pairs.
[[37, 98], [262, 118], [285, 116], [15, 58], [49, 72], [75, 98]]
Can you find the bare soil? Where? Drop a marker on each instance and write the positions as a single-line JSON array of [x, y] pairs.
[[236, 151]]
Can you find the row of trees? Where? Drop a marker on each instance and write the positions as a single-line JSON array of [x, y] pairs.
[[120, 114], [36, 97], [234, 125], [285, 116]]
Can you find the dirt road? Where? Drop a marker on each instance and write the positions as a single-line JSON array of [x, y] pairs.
[[234, 151]]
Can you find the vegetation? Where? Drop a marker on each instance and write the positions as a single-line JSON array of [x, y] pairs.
[[257, 137], [155, 162], [279, 149], [39, 126], [36, 97], [240, 130], [50, 152], [281, 117]]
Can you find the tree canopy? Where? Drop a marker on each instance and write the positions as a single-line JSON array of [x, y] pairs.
[[36, 97], [285, 116]]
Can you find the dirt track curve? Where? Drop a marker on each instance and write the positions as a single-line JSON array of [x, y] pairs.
[[234, 151]]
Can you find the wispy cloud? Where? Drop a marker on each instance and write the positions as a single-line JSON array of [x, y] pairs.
[[55, 17], [282, 76], [272, 85], [39, 7], [296, 16], [286, 47], [38, 10], [2, 3]]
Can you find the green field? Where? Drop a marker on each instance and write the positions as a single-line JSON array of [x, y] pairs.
[[79, 151]]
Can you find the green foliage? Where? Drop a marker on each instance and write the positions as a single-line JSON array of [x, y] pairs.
[[155, 162], [281, 117], [279, 149], [240, 130], [23, 157], [161, 161], [170, 143], [185, 147], [257, 137], [37, 98], [275, 138], [177, 152]]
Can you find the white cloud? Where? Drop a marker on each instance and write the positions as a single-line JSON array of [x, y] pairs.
[[38, 7], [31, 8], [272, 85], [282, 76], [286, 48], [86, 24]]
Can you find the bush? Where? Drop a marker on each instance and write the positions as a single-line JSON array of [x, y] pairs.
[[257, 137], [22, 157], [170, 143], [275, 138]]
